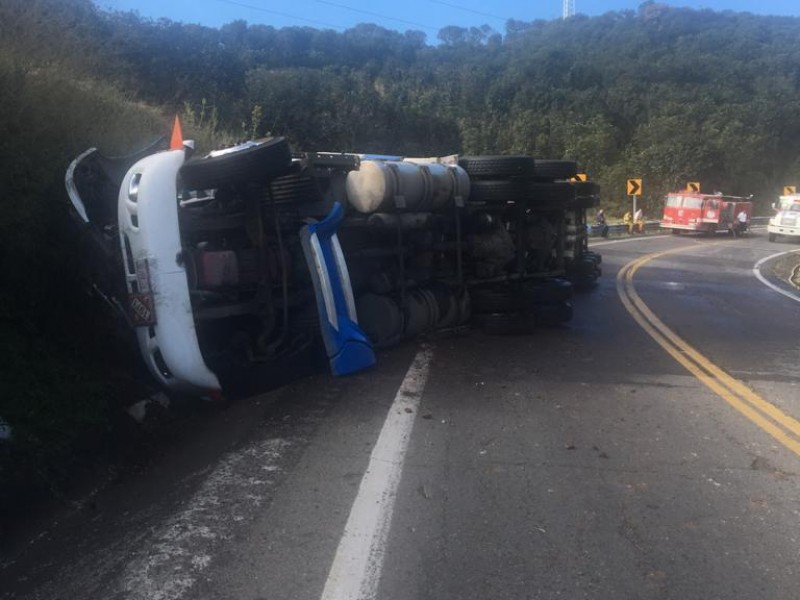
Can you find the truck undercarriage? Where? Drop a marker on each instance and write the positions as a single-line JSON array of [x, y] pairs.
[[250, 253]]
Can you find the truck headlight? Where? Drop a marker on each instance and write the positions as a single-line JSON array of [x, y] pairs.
[[133, 187]]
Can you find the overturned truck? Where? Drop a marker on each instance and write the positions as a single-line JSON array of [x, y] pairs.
[[254, 253]]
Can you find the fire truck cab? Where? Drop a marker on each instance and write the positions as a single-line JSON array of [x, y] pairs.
[[708, 213]]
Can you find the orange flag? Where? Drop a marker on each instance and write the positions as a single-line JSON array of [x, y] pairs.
[[176, 143]]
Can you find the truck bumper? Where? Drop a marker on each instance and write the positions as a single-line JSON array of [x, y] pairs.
[[156, 276], [781, 230]]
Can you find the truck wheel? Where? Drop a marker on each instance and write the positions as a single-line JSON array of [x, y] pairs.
[[772, 237], [595, 256], [257, 162], [550, 195], [495, 167], [584, 267], [548, 291], [675, 231], [548, 170], [497, 300], [497, 191], [585, 188]]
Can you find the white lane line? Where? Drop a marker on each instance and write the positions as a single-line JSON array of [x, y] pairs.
[[762, 279], [356, 569]]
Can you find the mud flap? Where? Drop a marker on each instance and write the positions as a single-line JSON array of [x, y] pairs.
[[348, 348]]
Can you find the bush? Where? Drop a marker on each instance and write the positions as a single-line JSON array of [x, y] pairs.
[[58, 370]]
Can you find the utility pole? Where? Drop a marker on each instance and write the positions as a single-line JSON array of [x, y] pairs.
[[569, 9]]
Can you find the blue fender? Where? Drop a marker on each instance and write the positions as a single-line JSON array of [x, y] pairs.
[[347, 346]]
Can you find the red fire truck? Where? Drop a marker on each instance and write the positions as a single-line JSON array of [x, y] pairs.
[[708, 213]]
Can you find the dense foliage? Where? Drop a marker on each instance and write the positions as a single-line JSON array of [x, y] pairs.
[[666, 94], [670, 95]]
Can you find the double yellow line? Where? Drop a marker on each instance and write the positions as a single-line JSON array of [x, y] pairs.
[[769, 417]]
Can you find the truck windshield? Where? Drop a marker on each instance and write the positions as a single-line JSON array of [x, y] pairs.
[[689, 202]]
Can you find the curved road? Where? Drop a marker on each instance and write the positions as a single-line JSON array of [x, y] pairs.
[[648, 450]]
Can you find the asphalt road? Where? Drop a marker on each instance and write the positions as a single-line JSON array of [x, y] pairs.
[[579, 462]]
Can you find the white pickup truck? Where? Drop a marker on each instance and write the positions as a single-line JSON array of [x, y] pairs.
[[251, 253], [786, 221]]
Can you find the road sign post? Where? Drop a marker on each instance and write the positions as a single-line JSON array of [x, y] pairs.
[[634, 190]]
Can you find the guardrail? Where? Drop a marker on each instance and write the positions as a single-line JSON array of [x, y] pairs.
[[654, 227]]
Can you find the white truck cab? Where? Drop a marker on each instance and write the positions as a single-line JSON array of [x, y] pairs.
[[787, 218]]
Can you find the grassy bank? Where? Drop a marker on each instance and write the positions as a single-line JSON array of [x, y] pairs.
[[64, 373]]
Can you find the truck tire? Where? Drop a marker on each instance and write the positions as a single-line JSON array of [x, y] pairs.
[[550, 195], [497, 191], [259, 163], [548, 291], [550, 170], [772, 237], [497, 300], [595, 256], [584, 267], [587, 194], [496, 167], [585, 188]]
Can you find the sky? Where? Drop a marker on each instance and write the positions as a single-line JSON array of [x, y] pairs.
[[424, 15]]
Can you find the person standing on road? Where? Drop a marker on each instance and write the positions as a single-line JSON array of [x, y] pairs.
[[638, 220], [600, 220], [741, 222]]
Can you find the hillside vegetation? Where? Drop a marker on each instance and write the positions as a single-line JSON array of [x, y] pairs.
[[670, 95]]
